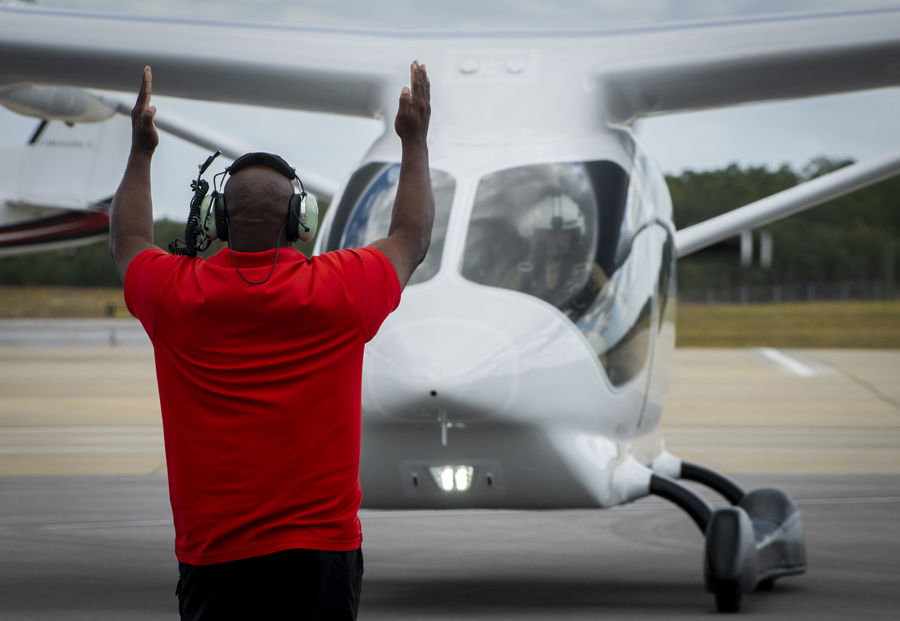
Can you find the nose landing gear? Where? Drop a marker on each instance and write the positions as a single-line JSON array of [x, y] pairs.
[[749, 544]]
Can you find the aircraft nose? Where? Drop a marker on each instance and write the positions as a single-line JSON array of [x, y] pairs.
[[419, 369]]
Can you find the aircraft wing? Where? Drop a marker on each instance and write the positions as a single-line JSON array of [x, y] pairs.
[[336, 72], [640, 71], [675, 68]]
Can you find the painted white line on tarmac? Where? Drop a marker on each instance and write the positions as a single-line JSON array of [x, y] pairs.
[[786, 362], [790, 450]]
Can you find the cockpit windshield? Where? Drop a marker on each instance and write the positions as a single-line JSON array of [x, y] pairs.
[[538, 229], [364, 213], [579, 236]]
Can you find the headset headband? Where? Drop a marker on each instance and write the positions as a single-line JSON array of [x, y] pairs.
[[270, 160]]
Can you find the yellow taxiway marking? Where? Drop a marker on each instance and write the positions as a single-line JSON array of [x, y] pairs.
[[95, 410]]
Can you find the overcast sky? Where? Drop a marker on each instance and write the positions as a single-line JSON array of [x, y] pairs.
[[857, 125]]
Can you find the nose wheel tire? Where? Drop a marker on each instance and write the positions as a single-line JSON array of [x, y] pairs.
[[728, 602], [748, 545], [766, 585]]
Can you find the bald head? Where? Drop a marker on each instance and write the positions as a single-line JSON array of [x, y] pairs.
[[257, 200]]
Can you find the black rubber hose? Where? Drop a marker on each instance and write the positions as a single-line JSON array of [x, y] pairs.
[[684, 497], [715, 481]]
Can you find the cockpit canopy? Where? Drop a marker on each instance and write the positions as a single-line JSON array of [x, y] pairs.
[[588, 238]]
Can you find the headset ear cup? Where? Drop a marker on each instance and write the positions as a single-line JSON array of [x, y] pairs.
[[207, 218], [312, 220], [293, 224], [220, 215]]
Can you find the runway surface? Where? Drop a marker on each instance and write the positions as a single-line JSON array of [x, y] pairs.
[[86, 532], [101, 548], [92, 408]]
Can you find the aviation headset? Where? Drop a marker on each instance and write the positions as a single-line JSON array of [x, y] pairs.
[[303, 211]]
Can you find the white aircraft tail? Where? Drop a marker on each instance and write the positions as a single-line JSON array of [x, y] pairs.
[[68, 167], [55, 191]]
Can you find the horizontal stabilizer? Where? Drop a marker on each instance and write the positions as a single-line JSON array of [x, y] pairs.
[[786, 203], [56, 103]]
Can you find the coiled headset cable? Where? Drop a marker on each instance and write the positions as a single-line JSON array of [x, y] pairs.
[[194, 241]]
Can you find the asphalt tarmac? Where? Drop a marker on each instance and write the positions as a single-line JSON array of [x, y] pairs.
[[86, 528], [101, 548]]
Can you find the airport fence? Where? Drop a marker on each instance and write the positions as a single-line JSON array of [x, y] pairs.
[[795, 292]]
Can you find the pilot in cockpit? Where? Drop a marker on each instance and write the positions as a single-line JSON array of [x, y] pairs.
[[560, 268]]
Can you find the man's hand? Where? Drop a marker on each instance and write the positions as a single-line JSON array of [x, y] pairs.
[[414, 113], [143, 132]]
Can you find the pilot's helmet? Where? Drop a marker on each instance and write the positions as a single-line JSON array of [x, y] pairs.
[[558, 212]]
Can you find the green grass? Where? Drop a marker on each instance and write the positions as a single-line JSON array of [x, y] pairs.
[[61, 302], [807, 324]]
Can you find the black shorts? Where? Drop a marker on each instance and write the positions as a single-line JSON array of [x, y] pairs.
[[292, 584]]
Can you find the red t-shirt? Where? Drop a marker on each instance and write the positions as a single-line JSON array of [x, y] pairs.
[[260, 387]]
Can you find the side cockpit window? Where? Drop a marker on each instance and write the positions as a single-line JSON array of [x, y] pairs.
[[364, 213]]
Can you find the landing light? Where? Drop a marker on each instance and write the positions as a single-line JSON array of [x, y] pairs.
[[453, 478]]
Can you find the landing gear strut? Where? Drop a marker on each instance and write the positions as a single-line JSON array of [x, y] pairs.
[[749, 544]]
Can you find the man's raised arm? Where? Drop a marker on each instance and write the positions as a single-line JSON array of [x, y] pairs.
[[131, 213], [413, 215]]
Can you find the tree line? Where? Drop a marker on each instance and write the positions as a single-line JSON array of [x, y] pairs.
[[852, 238]]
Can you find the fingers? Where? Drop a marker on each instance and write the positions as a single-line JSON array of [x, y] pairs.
[[420, 85], [143, 132], [413, 76], [415, 105], [426, 88], [413, 73], [143, 99], [147, 81], [405, 98]]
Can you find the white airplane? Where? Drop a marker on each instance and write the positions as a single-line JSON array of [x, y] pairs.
[[529, 362]]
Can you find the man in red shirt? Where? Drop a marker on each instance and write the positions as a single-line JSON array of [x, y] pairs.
[[259, 364]]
